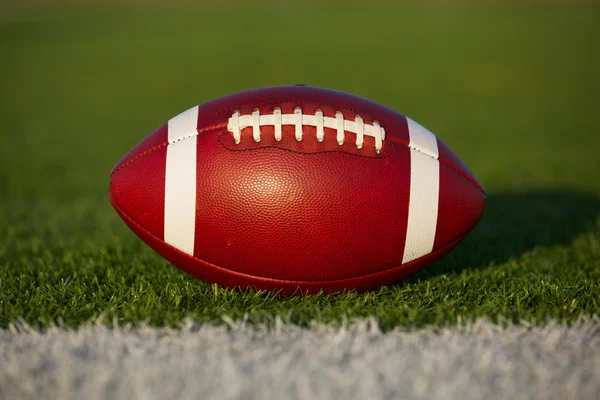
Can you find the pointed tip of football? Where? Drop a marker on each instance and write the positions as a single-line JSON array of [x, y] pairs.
[[461, 206], [136, 186]]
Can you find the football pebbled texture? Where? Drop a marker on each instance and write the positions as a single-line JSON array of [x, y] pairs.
[[296, 189]]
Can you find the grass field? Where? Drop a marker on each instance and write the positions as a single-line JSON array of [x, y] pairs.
[[513, 89]]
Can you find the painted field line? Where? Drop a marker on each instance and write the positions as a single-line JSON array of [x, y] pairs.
[[479, 361]]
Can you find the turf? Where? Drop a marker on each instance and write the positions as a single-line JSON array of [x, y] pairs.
[[513, 89]]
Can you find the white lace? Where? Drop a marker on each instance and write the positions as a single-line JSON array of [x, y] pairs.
[[238, 122]]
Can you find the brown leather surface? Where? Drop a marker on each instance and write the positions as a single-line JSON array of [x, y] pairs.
[[290, 211]]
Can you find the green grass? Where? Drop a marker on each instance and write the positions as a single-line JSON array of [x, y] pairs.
[[513, 89]]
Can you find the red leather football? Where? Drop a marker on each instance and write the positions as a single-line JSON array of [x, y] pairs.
[[296, 188]]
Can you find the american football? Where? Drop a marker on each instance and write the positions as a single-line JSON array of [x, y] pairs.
[[296, 188]]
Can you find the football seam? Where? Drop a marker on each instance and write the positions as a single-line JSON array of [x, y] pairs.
[[160, 146], [382, 123], [228, 109], [300, 152], [452, 166], [278, 280], [222, 125]]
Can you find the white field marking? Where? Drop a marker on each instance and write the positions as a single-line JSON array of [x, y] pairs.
[[424, 192], [180, 181], [477, 361], [238, 122]]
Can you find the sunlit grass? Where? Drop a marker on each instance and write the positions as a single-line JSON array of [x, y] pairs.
[[512, 89]]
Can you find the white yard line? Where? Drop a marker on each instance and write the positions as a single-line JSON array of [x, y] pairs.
[[480, 361]]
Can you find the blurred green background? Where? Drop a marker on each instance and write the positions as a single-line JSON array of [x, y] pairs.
[[513, 88]]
